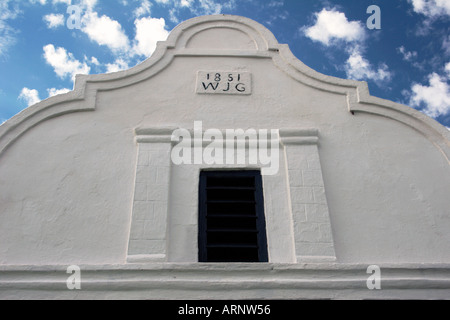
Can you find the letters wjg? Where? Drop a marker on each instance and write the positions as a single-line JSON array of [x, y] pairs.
[[213, 82]]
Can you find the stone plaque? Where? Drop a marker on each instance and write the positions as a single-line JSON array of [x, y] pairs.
[[224, 82]]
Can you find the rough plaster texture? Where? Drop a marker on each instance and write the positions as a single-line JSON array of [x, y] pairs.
[[76, 180]]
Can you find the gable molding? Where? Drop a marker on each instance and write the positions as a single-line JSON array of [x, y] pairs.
[[86, 87]]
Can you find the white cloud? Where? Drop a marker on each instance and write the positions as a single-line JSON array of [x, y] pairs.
[[7, 33], [447, 69], [39, 1], [435, 98], [148, 32], [88, 4], [54, 20], [95, 61], [332, 25], [199, 7], [54, 92], [210, 7], [359, 68], [105, 31], [30, 96], [186, 3], [431, 8], [118, 65], [63, 62], [407, 55], [144, 9], [172, 16], [67, 2]]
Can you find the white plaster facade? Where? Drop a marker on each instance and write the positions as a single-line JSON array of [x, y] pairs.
[[86, 178]]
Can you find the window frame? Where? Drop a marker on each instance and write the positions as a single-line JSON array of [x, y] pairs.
[[261, 242]]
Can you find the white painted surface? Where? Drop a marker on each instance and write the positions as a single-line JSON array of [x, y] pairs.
[[68, 165], [226, 282]]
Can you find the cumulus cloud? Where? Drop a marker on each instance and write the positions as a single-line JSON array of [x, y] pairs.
[[186, 3], [30, 96], [94, 61], [143, 9], [332, 28], [54, 20], [63, 62], [67, 2], [359, 68], [407, 55], [197, 7], [434, 98], [105, 31], [431, 8], [88, 4], [148, 32], [332, 25], [118, 65], [7, 33], [54, 92]]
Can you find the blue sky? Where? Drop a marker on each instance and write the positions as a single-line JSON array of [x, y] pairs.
[[42, 46]]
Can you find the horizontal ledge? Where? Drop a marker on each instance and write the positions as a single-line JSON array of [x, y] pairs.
[[315, 259], [191, 285], [225, 281], [146, 258], [286, 132], [204, 142], [299, 141], [285, 136], [224, 53], [155, 131], [417, 268], [154, 139], [293, 132]]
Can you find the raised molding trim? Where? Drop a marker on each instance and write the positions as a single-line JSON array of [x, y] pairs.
[[83, 97], [230, 281], [307, 200]]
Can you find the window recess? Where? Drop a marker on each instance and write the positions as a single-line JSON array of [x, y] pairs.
[[231, 217]]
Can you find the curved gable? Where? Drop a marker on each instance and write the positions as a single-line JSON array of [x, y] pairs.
[[226, 36]]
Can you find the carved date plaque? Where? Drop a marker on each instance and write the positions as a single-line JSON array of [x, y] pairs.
[[221, 82]]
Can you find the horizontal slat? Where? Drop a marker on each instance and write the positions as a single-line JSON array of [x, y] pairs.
[[230, 201], [232, 245], [233, 230], [229, 188], [220, 216]]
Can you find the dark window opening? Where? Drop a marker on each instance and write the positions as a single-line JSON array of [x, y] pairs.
[[232, 226]]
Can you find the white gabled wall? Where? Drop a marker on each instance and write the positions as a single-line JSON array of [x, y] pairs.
[[69, 165]]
